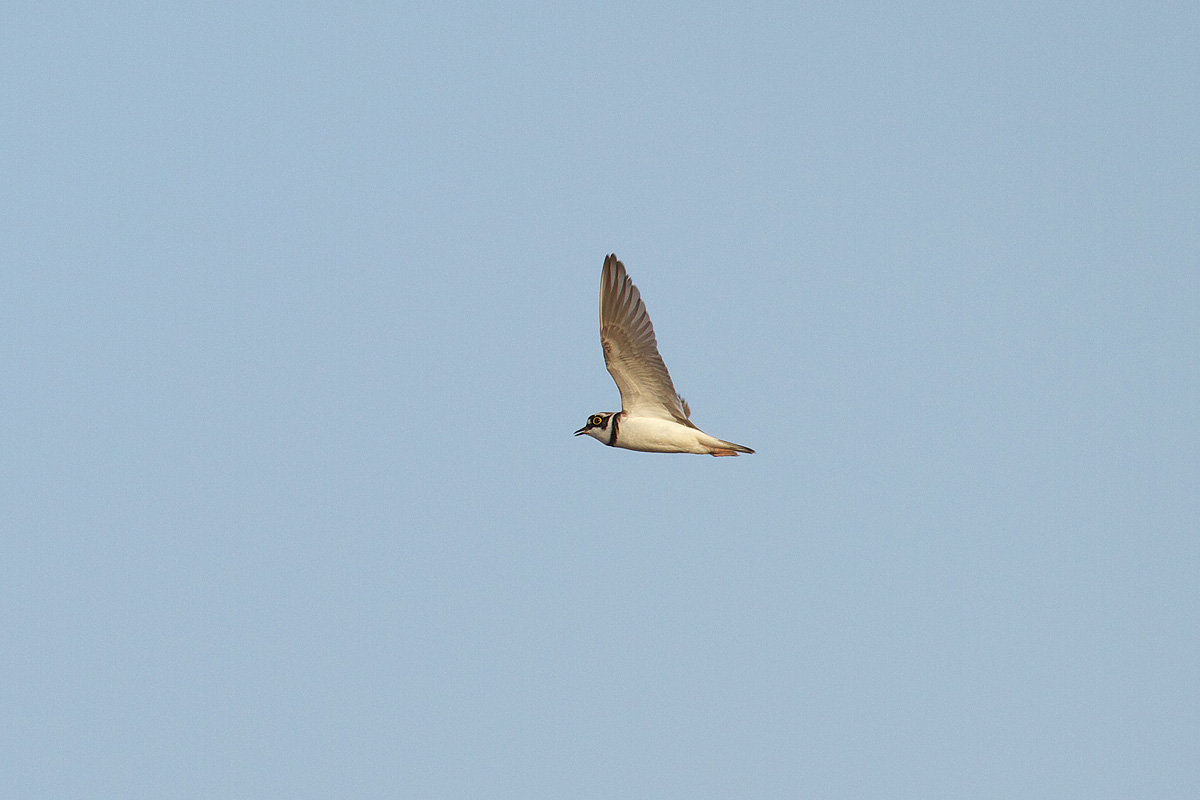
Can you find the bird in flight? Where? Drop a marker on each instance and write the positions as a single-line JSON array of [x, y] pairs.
[[653, 417]]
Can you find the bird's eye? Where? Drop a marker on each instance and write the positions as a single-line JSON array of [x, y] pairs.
[[597, 420]]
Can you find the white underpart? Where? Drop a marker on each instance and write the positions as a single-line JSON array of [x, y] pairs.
[[655, 435]]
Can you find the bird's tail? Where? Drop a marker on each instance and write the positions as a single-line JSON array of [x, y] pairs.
[[725, 448]]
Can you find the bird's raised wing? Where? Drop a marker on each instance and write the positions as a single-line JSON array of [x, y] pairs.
[[631, 351]]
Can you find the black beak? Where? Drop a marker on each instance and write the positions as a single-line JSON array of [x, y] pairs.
[[581, 430]]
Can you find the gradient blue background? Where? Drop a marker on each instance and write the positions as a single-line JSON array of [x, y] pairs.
[[299, 311]]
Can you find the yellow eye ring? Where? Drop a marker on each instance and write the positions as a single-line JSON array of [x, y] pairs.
[[597, 420]]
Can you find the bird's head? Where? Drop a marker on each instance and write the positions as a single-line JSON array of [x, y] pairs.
[[598, 426]]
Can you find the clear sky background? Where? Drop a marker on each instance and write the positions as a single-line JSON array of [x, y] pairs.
[[299, 311]]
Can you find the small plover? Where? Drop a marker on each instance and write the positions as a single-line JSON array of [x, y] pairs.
[[653, 417]]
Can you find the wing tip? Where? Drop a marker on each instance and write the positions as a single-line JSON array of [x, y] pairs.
[[616, 290], [613, 266]]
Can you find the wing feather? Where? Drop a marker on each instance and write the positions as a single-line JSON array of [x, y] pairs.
[[631, 351]]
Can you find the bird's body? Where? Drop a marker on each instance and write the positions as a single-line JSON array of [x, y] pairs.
[[652, 435], [653, 417]]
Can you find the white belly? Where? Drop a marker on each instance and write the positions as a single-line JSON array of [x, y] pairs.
[[655, 435]]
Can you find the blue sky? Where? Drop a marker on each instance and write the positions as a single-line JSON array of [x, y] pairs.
[[300, 311]]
